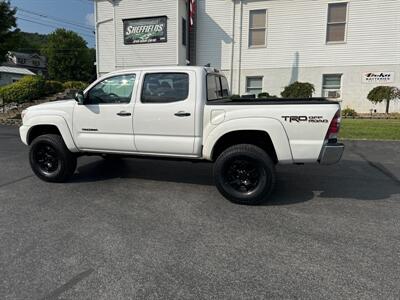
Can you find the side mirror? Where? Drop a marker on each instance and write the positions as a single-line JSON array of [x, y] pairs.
[[79, 97]]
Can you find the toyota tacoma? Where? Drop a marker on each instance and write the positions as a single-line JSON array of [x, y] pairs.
[[183, 113]]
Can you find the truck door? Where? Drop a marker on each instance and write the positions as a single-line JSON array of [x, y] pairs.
[[164, 115], [104, 121]]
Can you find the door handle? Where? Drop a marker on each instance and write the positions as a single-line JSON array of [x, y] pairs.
[[124, 114], [182, 114]]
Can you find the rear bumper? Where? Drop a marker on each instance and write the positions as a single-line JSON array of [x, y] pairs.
[[331, 154]]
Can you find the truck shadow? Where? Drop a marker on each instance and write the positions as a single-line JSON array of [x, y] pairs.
[[349, 180]]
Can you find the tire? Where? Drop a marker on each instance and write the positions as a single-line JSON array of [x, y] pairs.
[[245, 174], [50, 159]]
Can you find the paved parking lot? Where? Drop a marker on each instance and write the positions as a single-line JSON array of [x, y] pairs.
[[159, 229]]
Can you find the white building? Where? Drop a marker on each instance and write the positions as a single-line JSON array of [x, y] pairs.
[[345, 48], [10, 75], [31, 61]]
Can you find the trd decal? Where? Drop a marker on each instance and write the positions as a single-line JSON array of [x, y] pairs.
[[310, 119]]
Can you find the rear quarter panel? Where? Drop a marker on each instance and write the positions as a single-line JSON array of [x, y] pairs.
[[297, 130]]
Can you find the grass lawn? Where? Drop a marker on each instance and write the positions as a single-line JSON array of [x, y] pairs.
[[370, 129]]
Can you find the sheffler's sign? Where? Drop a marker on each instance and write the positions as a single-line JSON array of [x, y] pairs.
[[145, 30], [378, 77]]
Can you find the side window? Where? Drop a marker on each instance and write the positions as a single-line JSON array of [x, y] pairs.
[[337, 19], [217, 87], [112, 90], [254, 85], [184, 32], [258, 28], [165, 87], [332, 86], [224, 87], [213, 88]]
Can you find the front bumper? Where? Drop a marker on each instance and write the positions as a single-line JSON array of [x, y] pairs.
[[331, 154]]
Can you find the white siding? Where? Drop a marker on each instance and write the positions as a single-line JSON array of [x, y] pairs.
[[354, 93], [146, 54], [214, 33], [296, 45], [105, 37], [296, 42], [297, 32], [114, 55]]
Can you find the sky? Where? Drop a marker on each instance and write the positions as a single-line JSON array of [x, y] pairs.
[[44, 16]]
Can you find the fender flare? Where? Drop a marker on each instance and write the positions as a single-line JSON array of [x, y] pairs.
[[58, 122], [272, 127]]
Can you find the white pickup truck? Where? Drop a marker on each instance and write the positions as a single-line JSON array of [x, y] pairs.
[[185, 113]]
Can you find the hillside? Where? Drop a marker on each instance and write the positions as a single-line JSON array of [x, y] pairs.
[[29, 42]]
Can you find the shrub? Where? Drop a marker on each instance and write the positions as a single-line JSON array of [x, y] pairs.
[[298, 90], [266, 96], [26, 89], [75, 85], [235, 97], [384, 93], [348, 112], [53, 87]]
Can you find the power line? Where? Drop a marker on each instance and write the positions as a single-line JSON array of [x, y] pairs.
[[50, 25], [66, 21], [58, 23], [86, 1]]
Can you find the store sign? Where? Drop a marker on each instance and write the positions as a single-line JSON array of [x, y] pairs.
[[145, 30], [378, 77]]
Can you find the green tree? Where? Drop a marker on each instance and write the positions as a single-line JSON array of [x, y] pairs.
[[384, 93], [29, 42], [7, 23], [68, 56], [298, 90]]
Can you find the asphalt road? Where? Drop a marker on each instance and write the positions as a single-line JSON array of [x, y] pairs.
[[160, 230]]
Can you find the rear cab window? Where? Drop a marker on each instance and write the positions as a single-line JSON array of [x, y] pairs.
[[217, 87]]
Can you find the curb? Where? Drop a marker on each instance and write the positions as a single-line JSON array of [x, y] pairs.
[[367, 140], [11, 122]]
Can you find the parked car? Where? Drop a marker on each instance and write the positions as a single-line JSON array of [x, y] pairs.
[[185, 113]]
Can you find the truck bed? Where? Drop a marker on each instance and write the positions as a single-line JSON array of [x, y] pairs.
[[278, 101]]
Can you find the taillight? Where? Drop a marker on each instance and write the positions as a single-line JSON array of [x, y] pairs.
[[334, 127]]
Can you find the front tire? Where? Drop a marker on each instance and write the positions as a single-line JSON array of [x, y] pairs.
[[50, 159], [245, 174]]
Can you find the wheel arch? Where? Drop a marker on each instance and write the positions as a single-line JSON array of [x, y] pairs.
[[39, 130], [51, 125], [257, 138]]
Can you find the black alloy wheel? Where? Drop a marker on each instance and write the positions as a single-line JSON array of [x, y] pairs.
[[50, 158], [46, 158], [245, 174]]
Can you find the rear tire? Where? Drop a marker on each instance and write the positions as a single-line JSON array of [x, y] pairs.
[[50, 159], [245, 174]]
